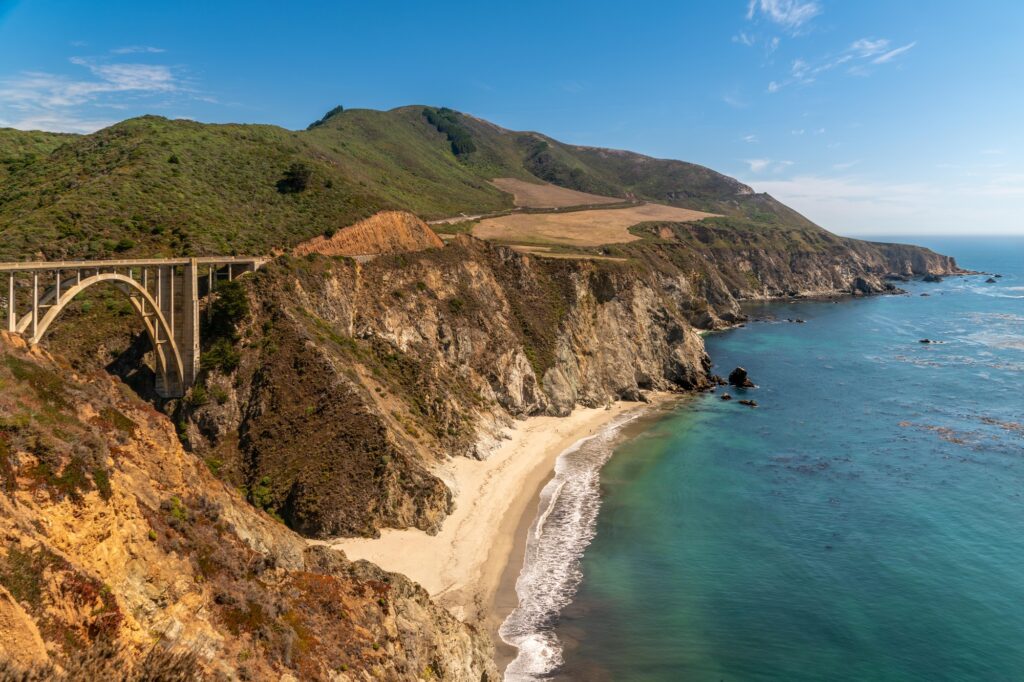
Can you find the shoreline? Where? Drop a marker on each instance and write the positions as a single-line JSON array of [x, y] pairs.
[[469, 566]]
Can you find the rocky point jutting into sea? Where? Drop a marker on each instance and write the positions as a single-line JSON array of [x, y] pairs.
[[336, 384]]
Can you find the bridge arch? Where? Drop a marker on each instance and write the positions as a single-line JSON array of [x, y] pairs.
[[170, 367]]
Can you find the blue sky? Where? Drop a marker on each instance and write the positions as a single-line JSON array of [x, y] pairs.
[[869, 117]]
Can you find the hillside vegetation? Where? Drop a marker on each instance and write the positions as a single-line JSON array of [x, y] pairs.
[[152, 186]]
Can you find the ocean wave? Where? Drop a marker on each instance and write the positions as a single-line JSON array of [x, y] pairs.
[[566, 519]]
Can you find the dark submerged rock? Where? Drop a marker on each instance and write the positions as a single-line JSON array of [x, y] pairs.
[[749, 403], [738, 377], [990, 280], [726, 396], [932, 278]]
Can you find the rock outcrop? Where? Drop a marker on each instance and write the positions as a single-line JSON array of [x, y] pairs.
[[738, 377], [356, 378], [113, 534], [381, 233]]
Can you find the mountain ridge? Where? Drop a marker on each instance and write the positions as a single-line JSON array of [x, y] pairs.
[[155, 186]]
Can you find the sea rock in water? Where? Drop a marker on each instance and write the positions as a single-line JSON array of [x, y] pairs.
[[738, 377], [990, 280], [932, 278], [726, 396], [925, 341], [998, 276], [799, 321], [717, 380], [926, 294], [749, 403]]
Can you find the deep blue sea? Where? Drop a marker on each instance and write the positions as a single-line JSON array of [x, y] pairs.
[[865, 522]]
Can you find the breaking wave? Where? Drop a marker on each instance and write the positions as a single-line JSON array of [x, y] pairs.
[[566, 519]]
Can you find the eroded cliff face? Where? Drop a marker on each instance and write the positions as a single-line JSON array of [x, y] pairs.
[[726, 264], [356, 378], [113, 534]]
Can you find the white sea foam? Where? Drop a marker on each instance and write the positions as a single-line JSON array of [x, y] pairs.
[[567, 515]]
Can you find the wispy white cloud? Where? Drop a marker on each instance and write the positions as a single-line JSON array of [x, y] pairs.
[[790, 14], [757, 165], [749, 138], [744, 38], [138, 49], [892, 54], [769, 43], [766, 165], [858, 57], [69, 103], [866, 47]]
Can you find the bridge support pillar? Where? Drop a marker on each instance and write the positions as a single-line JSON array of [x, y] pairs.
[[190, 322], [12, 313]]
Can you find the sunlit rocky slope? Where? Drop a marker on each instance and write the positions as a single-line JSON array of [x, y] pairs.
[[332, 386]]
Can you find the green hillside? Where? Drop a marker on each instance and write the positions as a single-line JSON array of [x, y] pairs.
[[152, 186]]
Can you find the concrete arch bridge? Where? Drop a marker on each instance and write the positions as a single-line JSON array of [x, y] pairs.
[[165, 293]]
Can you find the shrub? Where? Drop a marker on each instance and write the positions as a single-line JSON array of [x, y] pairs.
[[228, 309], [197, 397], [296, 179], [333, 112], [221, 355], [262, 494], [219, 395], [447, 121]]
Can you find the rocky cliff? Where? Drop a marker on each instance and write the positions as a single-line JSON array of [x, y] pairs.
[[384, 232], [727, 261], [355, 379], [116, 540]]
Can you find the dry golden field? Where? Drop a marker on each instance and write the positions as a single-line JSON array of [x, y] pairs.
[[533, 195], [580, 228]]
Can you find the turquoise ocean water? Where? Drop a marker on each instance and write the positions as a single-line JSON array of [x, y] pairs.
[[866, 522]]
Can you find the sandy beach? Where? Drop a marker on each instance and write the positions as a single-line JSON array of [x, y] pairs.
[[464, 565]]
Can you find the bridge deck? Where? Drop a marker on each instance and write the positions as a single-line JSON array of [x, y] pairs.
[[29, 266]]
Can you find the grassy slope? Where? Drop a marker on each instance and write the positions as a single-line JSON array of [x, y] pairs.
[[150, 186]]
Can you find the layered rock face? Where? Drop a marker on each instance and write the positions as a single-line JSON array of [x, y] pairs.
[[725, 264], [356, 378], [114, 536]]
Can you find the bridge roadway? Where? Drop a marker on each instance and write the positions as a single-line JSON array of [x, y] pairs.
[[165, 292]]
